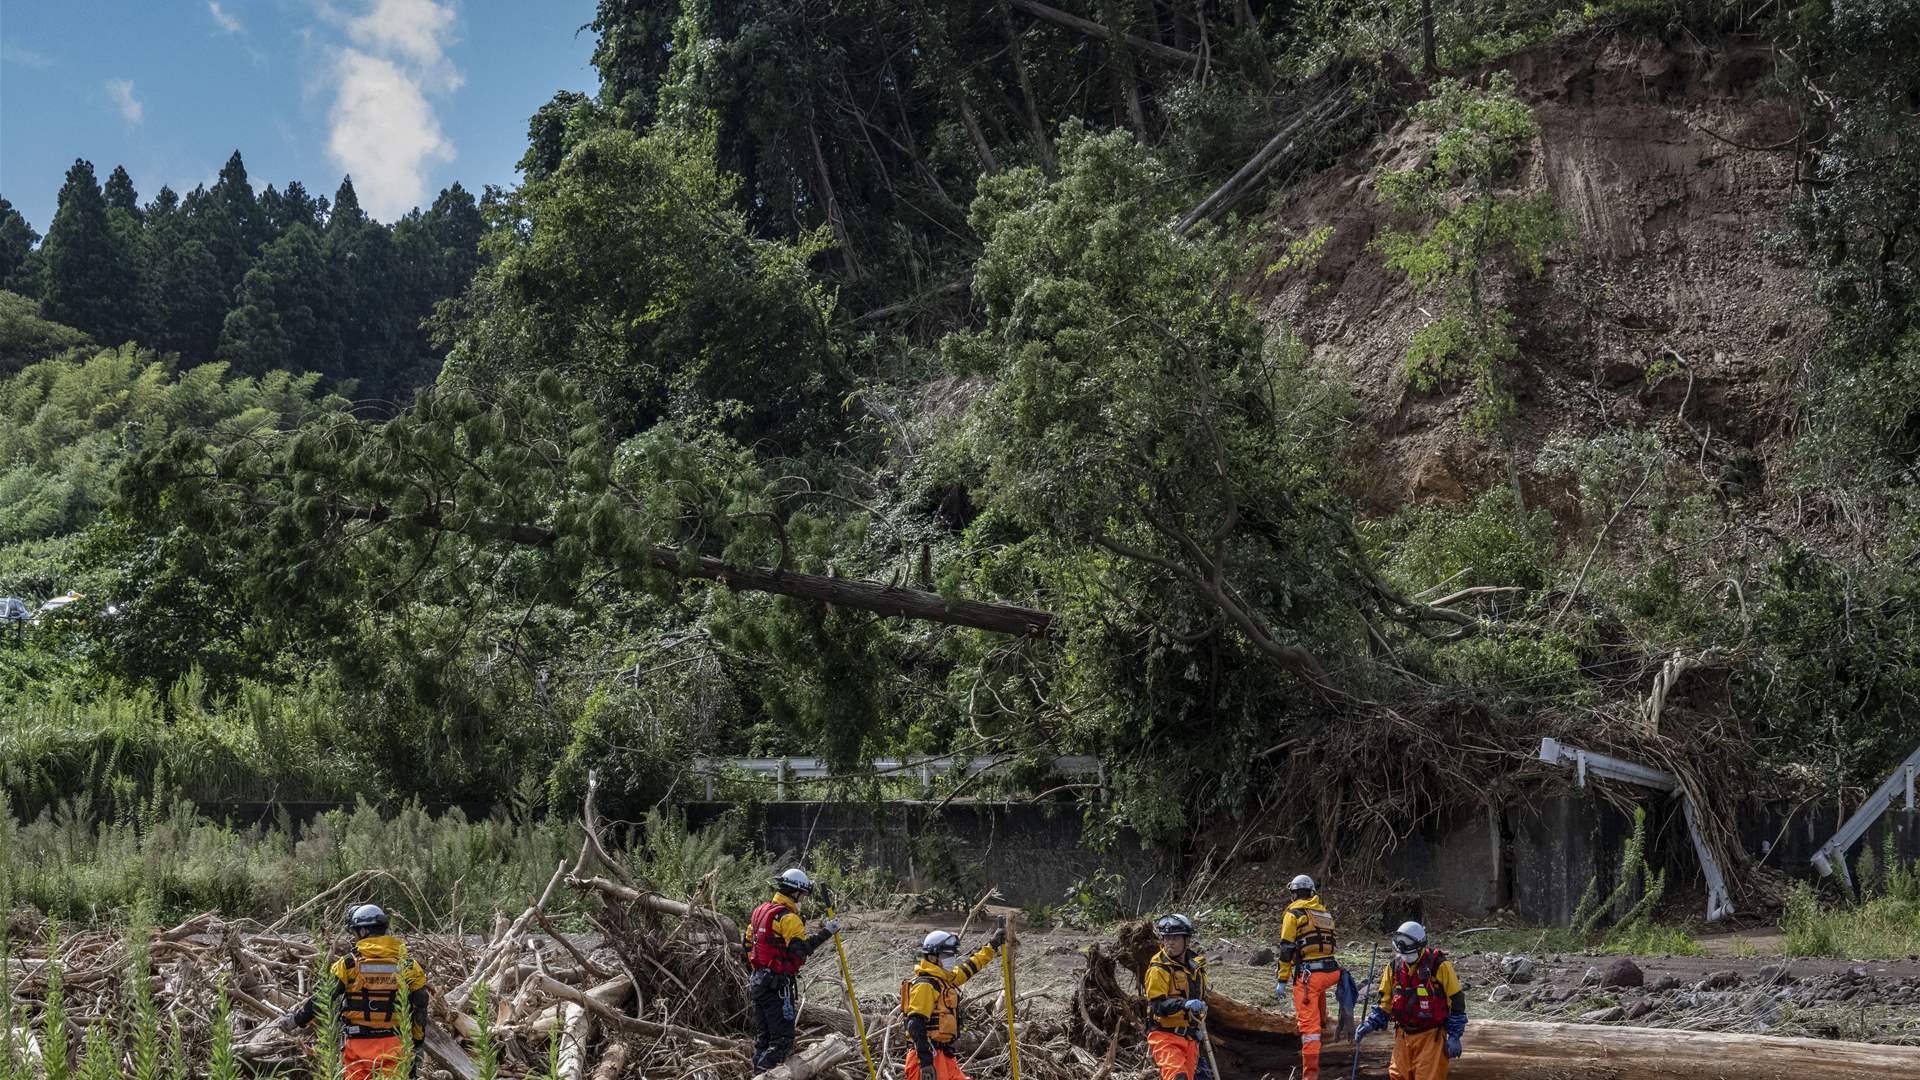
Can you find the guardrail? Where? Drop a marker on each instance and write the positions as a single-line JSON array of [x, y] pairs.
[[782, 771], [1833, 854]]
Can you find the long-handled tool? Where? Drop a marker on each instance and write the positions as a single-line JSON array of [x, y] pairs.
[[1213, 1064], [1006, 981], [853, 1002], [1366, 989]]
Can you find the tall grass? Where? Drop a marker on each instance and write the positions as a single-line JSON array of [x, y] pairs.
[[1883, 923], [444, 871]]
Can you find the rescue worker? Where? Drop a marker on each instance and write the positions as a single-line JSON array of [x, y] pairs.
[[777, 944], [1308, 939], [1421, 995], [367, 984], [930, 1001], [1176, 989]]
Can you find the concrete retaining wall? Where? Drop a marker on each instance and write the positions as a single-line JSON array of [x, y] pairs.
[[1034, 853]]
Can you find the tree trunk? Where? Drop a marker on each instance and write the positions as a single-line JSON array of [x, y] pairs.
[[576, 1031], [814, 1060], [845, 592], [1426, 38], [1510, 1050], [1094, 29], [945, 67], [1017, 56]]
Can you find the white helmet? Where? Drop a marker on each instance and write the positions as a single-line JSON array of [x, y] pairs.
[[1303, 883], [794, 881], [940, 943], [1409, 939]]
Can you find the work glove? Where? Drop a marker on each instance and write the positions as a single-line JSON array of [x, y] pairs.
[[1376, 1020], [1456, 1027], [1279, 990], [1453, 1046], [832, 926], [999, 937], [1196, 1006]]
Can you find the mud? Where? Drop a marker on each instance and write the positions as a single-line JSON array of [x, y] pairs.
[[1674, 166]]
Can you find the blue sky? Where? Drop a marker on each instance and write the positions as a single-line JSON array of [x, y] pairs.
[[406, 95]]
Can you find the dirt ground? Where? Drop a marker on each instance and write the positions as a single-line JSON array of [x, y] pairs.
[[1725, 990]]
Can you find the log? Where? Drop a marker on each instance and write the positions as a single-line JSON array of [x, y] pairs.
[[1520, 1050], [576, 1031], [1511, 1050], [832, 1051], [630, 1024], [613, 1064]]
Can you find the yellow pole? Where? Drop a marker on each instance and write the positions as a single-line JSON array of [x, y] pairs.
[[1006, 979], [853, 1002]]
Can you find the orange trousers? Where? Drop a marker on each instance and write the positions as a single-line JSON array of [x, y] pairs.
[[1310, 1008], [1419, 1057], [368, 1059], [944, 1066], [1178, 1057]]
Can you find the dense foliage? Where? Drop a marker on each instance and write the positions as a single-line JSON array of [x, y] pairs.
[[278, 280], [921, 299]]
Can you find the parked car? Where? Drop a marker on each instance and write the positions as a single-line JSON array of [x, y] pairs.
[[13, 610]]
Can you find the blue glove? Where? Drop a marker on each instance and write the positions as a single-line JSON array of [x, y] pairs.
[[1279, 990], [1456, 1027], [1375, 1021], [1195, 1005]]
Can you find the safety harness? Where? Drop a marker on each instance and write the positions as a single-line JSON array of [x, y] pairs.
[[1317, 939], [1419, 1003], [766, 949], [1184, 981]]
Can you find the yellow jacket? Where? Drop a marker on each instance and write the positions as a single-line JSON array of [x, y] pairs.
[[1307, 933], [367, 985], [1170, 983], [933, 993]]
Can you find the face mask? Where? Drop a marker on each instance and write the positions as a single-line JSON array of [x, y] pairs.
[[949, 962]]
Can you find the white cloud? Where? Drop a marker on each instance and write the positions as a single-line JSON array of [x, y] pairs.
[[383, 131], [121, 91], [27, 58], [227, 21]]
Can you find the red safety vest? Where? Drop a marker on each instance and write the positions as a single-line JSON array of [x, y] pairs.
[[1419, 1002], [768, 950]]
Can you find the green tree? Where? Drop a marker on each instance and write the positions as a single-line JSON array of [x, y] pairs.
[[1476, 230], [634, 275], [92, 281], [17, 239], [287, 311], [119, 192], [188, 303]]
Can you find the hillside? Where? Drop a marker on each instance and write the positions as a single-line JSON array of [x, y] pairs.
[[1675, 165]]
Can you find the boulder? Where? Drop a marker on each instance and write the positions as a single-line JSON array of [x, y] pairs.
[[1604, 1016], [1591, 978], [1719, 980], [1262, 958], [1517, 969], [1623, 972]]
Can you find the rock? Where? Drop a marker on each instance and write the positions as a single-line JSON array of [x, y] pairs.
[[1262, 958], [1623, 972], [1503, 992], [1639, 1009], [1663, 984], [1517, 969], [1719, 980], [1591, 978], [1776, 975], [1603, 1016]]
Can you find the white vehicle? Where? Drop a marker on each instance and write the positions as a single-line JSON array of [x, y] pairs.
[[54, 605], [13, 610]]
